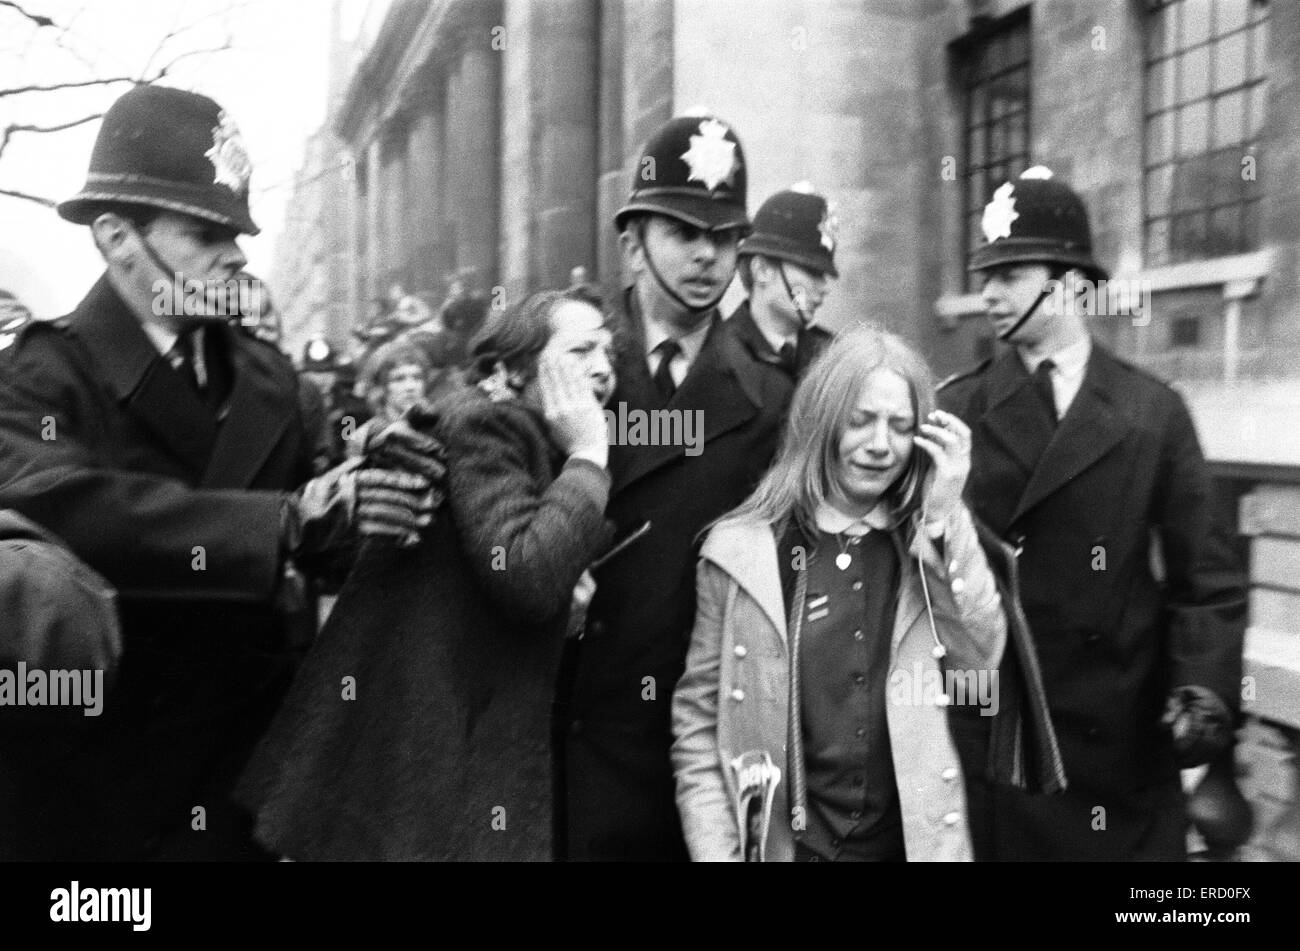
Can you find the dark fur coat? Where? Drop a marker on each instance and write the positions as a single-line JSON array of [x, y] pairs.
[[452, 648]]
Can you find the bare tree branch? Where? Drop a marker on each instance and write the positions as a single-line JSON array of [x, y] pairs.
[[227, 45], [18, 90], [178, 31], [47, 202], [17, 127], [35, 18]]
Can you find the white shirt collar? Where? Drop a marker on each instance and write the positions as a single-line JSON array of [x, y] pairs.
[[775, 340], [162, 338], [1070, 361], [831, 519], [691, 343]]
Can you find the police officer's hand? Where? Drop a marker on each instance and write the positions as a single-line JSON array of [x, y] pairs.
[[404, 447], [946, 439], [576, 419], [394, 505], [1201, 724]]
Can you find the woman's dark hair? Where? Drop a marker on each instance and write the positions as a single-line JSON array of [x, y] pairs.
[[516, 335]]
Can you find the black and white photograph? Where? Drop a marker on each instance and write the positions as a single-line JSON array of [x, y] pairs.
[[651, 431]]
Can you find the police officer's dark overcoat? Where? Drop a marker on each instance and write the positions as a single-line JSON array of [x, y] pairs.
[[615, 729], [105, 444], [1087, 502]]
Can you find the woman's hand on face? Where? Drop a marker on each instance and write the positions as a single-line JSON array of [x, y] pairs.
[[572, 411], [947, 441]]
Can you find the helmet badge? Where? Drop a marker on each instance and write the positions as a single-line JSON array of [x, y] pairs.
[[999, 213], [711, 157], [228, 156], [829, 227]]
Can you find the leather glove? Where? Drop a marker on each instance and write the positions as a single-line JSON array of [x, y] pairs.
[[1201, 723], [400, 445], [394, 504], [318, 517]]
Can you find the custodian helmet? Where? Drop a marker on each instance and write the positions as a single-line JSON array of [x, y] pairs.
[[169, 149], [795, 225], [692, 169], [1036, 219]]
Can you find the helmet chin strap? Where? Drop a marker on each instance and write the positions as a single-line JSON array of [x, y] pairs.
[[1006, 335], [663, 285], [173, 276], [806, 320]]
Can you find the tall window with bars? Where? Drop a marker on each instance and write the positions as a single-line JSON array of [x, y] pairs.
[[993, 64], [1206, 83]]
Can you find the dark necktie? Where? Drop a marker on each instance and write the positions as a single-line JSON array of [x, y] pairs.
[[663, 378], [1043, 384], [789, 358]]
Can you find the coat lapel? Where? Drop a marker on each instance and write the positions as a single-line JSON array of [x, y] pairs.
[[255, 419], [747, 552], [1091, 428], [140, 379], [712, 386], [1015, 419]]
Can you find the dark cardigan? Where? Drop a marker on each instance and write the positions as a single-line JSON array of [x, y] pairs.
[[453, 647]]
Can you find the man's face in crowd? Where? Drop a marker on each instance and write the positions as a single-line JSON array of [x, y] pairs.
[[808, 287], [195, 250], [698, 265], [404, 386], [1008, 291]]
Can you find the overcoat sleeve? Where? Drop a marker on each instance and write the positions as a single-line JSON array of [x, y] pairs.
[[1205, 585], [145, 533], [969, 586], [526, 546], [708, 821]]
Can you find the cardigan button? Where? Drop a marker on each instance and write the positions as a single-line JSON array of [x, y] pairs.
[[738, 695], [741, 651], [951, 819], [958, 585], [949, 774], [952, 567]]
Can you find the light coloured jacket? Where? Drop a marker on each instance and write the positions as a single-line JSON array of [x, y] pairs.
[[734, 695]]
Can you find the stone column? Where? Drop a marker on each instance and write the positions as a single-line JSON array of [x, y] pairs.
[[612, 188], [549, 176], [425, 184], [564, 136], [473, 150], [393, 203], [370, 209]]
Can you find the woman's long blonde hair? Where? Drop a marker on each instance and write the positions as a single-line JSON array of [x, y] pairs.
[[802, 477]]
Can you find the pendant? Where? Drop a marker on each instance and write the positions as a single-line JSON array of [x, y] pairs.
[[843, 560]]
